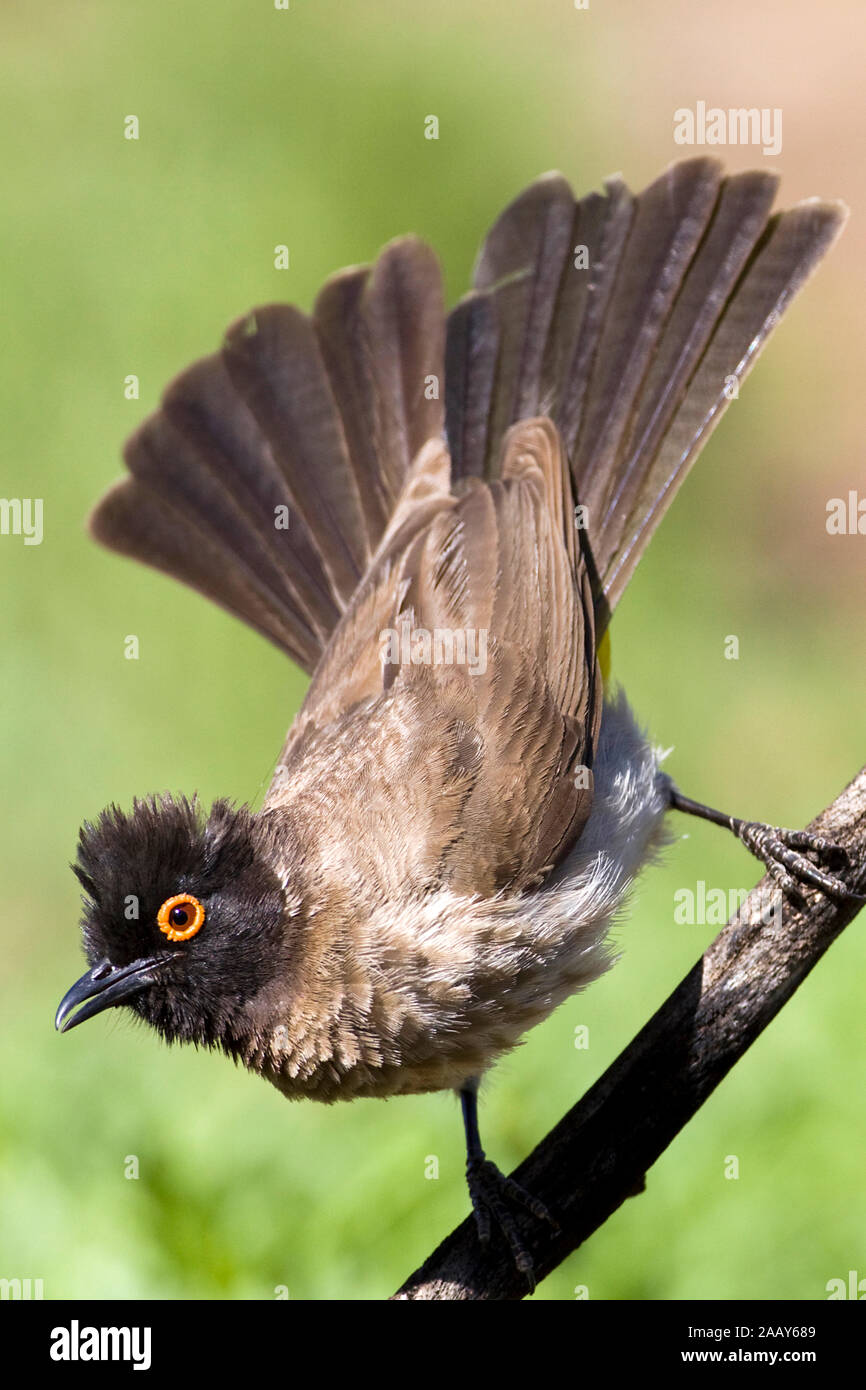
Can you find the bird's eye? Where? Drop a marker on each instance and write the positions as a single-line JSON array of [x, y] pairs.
[[180, 917]]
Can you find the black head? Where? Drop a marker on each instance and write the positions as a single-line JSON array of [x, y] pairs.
[[183, 918]]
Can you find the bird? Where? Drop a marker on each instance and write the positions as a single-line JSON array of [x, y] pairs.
[[435, 514]]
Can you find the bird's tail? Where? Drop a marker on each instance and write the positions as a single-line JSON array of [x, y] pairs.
[[629, 321], [269, 475]]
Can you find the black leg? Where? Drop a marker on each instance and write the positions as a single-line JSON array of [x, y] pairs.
[[777, 849], [493, 1194], [469, 1106]]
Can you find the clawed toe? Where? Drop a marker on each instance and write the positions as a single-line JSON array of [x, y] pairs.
[[782, 852], [493, 1198], [777, 849]]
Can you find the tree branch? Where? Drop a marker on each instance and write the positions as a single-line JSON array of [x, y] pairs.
[[598, 1154]]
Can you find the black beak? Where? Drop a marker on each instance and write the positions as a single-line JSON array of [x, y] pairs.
[[103, 987]]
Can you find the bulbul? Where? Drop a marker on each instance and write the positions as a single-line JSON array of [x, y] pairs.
[[435, 516]]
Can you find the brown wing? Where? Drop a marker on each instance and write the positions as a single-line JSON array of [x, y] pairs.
[[464, 756]]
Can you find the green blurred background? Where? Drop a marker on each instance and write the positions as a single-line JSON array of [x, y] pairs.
[[259, 127]]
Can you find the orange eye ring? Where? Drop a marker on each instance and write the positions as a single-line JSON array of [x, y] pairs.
[[180, 917]]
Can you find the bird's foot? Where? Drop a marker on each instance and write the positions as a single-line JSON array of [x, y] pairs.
[[493, 1197], [783, 854]]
